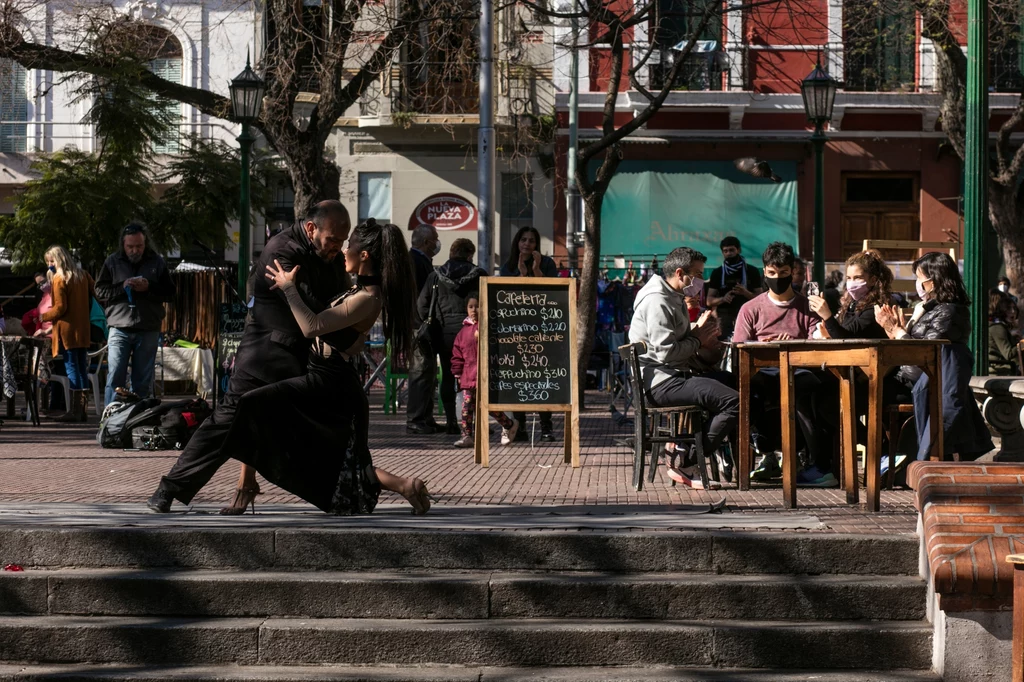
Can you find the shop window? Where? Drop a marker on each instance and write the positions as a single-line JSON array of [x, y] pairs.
[[879, 44], [375, 197], [13, 106], [885, 189]]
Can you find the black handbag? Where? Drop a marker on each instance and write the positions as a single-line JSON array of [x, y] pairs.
[[425, 333]]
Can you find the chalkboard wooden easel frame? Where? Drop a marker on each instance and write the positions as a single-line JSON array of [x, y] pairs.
[[484, 407]]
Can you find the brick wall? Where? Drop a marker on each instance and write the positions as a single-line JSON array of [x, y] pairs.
[[972, 518]]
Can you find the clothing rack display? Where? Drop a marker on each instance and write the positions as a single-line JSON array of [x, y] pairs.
[[193, 314]]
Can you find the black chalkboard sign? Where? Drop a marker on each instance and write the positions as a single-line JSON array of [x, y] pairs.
[[528, 349], [232, 318], [526, 357]]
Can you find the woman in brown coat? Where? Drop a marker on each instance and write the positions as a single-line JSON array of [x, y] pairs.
[[71, 288]]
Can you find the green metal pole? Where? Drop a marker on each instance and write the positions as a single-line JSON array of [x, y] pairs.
[[976, 161], [818, 139], [244, 242]]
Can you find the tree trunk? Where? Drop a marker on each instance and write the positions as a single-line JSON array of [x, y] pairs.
[[586, 302], [1005, 214], [314, 178]]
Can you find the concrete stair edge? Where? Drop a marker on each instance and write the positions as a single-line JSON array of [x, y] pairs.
[[319, 549], [493, 642], [448, 595], [86, 673]]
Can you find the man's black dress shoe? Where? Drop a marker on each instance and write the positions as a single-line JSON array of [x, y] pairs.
[[420, 429], [547, 437], [160, 502]]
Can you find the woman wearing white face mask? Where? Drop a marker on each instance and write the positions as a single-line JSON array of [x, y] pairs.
[[943, 314], [868, 283]]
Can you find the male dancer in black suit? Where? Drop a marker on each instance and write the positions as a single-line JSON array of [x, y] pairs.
[[272, 347]]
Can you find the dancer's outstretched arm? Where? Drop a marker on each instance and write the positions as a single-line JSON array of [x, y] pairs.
[[359, 307]]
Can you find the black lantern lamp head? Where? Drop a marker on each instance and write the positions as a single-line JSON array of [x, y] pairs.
[[246, 94], [819, 93]]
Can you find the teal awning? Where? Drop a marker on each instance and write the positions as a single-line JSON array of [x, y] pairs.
[[653, 207]]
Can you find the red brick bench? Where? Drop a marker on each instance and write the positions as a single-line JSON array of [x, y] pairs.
[[972, 518]]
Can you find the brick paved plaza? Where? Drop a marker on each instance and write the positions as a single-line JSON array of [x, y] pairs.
[[62, 463]]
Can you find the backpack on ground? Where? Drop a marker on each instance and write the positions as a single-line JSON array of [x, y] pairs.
[[169, 426], [119, 417]]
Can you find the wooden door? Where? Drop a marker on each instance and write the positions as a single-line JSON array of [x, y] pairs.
[[856, 228], [880, 206]]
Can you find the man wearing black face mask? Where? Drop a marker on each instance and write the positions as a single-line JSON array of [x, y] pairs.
[[732, 285], [781, 314]]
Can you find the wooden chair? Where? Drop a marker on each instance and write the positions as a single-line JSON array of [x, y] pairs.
[[655, 426], [896, 419], [908, 286]]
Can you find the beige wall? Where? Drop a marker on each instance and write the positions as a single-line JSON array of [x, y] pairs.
[[416, 176]]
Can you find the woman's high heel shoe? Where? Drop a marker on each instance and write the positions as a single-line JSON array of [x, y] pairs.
[[244, 498]]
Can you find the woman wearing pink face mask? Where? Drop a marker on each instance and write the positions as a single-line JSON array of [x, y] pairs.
[[868, 283]]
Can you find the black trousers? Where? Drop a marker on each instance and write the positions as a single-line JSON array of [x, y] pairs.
[[422, 377], [204, 454], [817, 400], [448, 384], [707, 392]]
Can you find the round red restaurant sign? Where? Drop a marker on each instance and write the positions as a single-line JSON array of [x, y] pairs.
[[444, 212]]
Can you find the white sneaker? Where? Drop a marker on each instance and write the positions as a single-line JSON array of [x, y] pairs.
[[464, 442], [509, 434]]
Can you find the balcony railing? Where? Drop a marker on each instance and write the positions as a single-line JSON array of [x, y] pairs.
[[1005, 65], [435, 88], [698, 72], [887, 67]]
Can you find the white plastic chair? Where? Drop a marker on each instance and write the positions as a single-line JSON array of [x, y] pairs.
[[98, 388]]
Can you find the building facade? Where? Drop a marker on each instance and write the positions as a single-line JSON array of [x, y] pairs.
[[201, 44], [889, 171], [408, 151]]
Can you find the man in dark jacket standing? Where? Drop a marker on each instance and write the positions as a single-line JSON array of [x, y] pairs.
[[455, 280], [273, 347], [419, 417], [133, 286]]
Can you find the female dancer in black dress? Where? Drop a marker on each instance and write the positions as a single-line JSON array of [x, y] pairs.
[[309, 434]]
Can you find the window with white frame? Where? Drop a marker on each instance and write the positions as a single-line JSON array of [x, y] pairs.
[[13, 106], [166, 62], [375, 197]]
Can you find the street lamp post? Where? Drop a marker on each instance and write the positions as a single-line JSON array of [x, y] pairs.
[[819, 93], [976, 167], [246, 98]]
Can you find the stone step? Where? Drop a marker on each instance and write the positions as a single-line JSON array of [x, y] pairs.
[[494, 642], [311, 549], [441, 674], [666, 596]]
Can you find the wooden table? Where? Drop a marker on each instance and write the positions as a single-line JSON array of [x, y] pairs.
[[26, 371], [842, 357]]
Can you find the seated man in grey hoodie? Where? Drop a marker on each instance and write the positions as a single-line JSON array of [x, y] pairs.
[[661, 321]]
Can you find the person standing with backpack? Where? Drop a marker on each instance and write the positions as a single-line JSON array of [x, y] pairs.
[[448, 289]]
